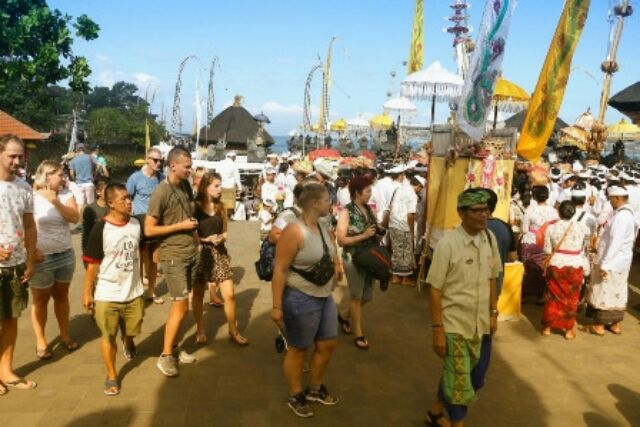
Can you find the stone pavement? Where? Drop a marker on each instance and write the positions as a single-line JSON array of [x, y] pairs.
[[533, 381]]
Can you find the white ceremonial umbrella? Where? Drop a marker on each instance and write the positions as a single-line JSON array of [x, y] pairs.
[[434, 83], [357, 123]]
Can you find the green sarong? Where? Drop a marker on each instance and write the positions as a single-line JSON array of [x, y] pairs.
[[462, 356]]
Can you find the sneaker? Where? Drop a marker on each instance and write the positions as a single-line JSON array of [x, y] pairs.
[[321, 395], [182, 356], [129, 352], [300, 406], [168, 365]]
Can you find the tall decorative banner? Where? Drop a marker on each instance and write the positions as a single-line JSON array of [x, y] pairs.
[[547, 99], [475, 103], [417, 38]]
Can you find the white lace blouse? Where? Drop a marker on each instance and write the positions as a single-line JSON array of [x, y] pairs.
[[571, 253], [534, 217]]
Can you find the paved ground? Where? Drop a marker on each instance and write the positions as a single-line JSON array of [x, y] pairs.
[[591, 381]]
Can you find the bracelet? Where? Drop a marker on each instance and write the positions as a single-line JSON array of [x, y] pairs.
[[437, 325]]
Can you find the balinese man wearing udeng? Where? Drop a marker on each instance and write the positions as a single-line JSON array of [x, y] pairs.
[[462, 280]]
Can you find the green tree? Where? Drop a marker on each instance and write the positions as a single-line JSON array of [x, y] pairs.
[[36, 51], [106, 125]]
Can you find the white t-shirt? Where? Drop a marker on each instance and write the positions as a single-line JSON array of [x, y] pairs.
[[16, 199], [404, 202], [116, 248], [269, 191], [344, 197], [54, 235]]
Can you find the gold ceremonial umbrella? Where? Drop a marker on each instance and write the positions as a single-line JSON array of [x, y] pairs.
[[574, 136], [508, 97], [339, 125], [623, 131], [381, 122]]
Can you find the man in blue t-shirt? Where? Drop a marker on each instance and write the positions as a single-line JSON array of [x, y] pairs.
[[140, 186], [504, 236], [82, 168]]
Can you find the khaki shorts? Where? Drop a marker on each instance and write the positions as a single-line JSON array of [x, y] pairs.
[[110, 314], [181, 277], [14, 295]]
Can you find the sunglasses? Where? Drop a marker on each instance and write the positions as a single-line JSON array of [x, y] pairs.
[[156, 160], [479, 210]]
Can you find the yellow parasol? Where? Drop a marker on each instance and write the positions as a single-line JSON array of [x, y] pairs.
[[574, 136], [339, 125], [508, 97], [381, 122], [623, 131]]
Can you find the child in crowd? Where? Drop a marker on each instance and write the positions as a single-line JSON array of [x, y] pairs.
[[113, 257]]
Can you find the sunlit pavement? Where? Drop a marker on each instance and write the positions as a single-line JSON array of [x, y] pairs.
[[533, 381]]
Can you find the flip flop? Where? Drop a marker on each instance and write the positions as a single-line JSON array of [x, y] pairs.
[[613, 331], [345, 325], [591, 330], [71, 345], [433, 420], [44, 353], [111, 387], [216, 304], [22, 384], [158, 300], [361, 343]]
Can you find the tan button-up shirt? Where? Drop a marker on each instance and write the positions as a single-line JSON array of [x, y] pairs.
[[461, 269]]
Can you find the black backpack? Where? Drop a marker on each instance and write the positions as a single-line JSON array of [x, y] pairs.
[[264, 264]]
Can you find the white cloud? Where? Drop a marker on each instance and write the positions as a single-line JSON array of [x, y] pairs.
[[101, 58], [274, 107], [144, 79]]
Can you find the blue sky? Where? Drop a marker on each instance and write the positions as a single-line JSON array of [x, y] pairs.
[[266, 49]]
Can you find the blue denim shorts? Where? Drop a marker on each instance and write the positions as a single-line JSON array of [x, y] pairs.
[[56, 268], [308, 319]]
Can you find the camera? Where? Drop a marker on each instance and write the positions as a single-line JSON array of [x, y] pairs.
[[281, 342]]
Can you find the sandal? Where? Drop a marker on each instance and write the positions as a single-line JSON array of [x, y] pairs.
[[44, 353], [3, 389], [238, 339], [70, 345], [433, 419], [217, 303], [615, 331], [22, 384], [345, 325], [591, 330], [158, 300], [201, 338], [111, 387], [361, 343]]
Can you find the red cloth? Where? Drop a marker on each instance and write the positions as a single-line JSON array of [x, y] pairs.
[[562, 297]]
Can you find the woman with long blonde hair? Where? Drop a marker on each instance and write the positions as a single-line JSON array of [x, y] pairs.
[[215, 263], [54, 209]]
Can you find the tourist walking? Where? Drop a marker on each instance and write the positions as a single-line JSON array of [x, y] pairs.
[[17, 253], [356, 227], [464, 314], [170, 218], [214, 267], [112, 258], [82, 170], [54, 209], [567, 266], [608, 291], [303, 307], [141, 185], [94, 212]]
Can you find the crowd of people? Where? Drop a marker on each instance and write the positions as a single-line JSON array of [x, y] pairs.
[[330, 235]]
